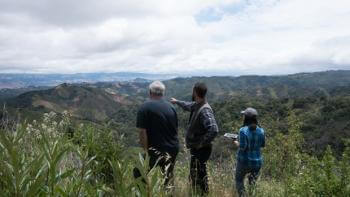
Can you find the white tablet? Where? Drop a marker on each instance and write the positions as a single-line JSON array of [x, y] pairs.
[[231, 136]]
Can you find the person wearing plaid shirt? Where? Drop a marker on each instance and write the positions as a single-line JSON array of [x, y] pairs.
[[249, 157], [201, 131], [208, 121]]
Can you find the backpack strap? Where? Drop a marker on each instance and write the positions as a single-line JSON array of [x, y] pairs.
[[195, 116]]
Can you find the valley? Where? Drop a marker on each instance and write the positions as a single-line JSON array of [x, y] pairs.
[[83, 136], [320, 100]]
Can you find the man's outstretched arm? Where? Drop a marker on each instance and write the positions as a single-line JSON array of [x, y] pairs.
[[187, 106]]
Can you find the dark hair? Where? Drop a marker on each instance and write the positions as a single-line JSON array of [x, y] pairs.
[[201, 89], [251, 122]]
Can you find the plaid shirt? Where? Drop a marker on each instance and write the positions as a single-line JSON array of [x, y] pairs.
[[207, 119], [250, 143]]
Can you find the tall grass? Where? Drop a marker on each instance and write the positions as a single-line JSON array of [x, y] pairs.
[[44, 159], [54, 157]]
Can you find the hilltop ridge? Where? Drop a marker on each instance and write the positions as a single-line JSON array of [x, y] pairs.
[[322, 100]]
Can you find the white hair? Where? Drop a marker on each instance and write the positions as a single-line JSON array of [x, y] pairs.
[[157, 88]]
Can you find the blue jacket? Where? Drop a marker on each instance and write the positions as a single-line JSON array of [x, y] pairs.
[[250, 143]]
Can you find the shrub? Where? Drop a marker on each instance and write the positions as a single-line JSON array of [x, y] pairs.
[[55, 157]]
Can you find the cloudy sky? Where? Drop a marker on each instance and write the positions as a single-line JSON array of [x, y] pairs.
[[213, 37]]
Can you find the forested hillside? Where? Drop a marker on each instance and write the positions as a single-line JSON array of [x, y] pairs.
[[321, 100], [80, 139]]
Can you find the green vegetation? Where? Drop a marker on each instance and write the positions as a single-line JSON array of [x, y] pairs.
[[45, 159], [321, 100], [88, 147]]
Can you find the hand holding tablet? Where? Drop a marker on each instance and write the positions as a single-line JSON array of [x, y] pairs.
[[231, 136]]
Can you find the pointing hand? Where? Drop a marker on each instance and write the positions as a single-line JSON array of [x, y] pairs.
[[173, 100]]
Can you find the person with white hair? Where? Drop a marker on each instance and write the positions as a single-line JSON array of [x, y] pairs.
[[158, 128]]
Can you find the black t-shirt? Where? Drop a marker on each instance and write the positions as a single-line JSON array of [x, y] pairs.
[[159, 118]]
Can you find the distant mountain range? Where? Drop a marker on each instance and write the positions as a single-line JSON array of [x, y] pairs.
[[283, 86], [8, 80], [321, 100], [96, 101]]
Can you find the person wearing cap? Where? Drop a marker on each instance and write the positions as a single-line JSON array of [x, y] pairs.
[[201, 131], [249, 158]]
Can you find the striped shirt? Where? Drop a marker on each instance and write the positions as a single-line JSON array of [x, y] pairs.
[[250, 143]]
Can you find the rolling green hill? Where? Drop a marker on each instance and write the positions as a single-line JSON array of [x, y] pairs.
[[287, 86], [83, 102], [321, 100], [303, 115]]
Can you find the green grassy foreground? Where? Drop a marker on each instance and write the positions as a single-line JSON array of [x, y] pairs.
[[55, 157]]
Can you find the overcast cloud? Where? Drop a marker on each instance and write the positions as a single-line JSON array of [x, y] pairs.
[[231, 37]]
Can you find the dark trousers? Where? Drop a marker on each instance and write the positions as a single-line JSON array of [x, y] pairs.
[[164, 160], [241, 171], [198, 168]]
